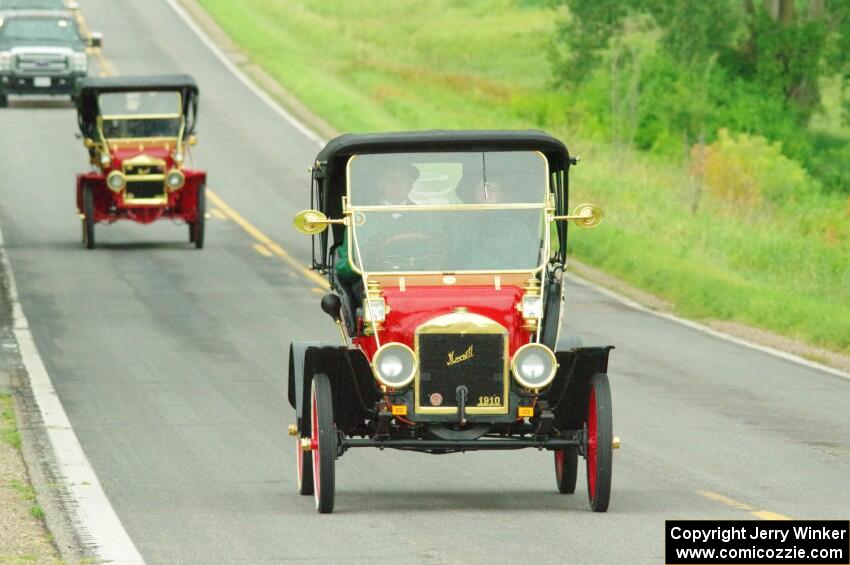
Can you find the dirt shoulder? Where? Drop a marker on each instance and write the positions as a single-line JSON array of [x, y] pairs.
[[742, 331], [23, 535]]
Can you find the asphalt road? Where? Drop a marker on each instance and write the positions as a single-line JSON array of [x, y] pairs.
[[171, 365]]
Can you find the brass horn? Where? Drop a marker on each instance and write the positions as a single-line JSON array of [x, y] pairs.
[[584, 215], [311, 222]]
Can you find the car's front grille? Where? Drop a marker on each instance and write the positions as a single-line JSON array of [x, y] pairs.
[[144, 189], [449, 360], [41, 63]]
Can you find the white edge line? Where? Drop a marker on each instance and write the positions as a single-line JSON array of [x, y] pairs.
[[611, 294], [237, 72], [710, 331], [92, 515]]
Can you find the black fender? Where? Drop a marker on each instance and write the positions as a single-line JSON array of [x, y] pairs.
[[567, 396], [297, 385], [352, 383]]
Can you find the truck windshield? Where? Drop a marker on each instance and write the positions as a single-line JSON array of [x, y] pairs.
[[40, 29], [32, 5], [448, 212], [140, 114]]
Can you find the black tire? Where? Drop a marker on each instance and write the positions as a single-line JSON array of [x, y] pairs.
[[323, 434], [304, 467], [599, 437], [197, 228], [4, 101], [88, 220], [566, 470]]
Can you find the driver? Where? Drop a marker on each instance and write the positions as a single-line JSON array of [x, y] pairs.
[[392, 187]]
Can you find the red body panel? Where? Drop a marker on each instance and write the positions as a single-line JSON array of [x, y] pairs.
[[110, 206], [417, 305]]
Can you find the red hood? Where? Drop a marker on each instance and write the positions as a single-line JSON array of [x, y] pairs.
[[417, 305], [121, 154]]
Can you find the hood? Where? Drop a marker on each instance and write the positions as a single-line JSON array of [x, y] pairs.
[[414, 306], [48, 45], [156, 152]]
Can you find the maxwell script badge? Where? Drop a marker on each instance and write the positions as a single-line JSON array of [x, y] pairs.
[[455, 359]]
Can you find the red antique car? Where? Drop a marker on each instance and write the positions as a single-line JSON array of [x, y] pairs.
[[138, 131], [445, 258]]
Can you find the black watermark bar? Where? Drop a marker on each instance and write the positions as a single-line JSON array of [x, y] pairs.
[[756, 542]]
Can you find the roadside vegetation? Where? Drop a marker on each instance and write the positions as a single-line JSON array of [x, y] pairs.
[[714, 134]]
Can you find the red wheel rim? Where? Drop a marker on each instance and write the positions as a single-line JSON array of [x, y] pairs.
[[559, 463], [591, 444], [314, 434]]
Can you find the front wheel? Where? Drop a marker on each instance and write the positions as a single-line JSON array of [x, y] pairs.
[[196, 228], [599, 437], [88, 219], [323, 434]]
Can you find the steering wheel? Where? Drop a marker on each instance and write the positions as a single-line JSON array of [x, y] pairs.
[[410, 251]]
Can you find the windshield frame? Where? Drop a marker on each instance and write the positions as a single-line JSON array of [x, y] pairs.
[[179, 115], [545, 206]]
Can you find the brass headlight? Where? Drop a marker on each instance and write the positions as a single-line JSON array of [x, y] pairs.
[[394, 365], [116, 181], [175, 179], [534, 365]]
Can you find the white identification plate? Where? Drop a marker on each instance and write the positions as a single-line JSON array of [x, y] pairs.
[[41, 82]]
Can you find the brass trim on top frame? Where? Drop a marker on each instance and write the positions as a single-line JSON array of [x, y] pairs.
[[543, 206], [462, 323]]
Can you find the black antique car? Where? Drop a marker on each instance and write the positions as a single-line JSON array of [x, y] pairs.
[[445, 257]]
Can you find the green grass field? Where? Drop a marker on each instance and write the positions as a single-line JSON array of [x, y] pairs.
[[371, 65]]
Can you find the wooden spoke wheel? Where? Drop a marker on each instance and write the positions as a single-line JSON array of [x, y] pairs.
[[323, 438], [599, 439]]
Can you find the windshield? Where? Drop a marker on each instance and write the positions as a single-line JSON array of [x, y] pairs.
[[140, 114], [448, 212], [40, 29], [32, 5]]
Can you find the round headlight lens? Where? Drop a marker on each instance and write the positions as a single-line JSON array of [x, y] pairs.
[[175, 179], [534, 365], [116, 180], [394, 365]]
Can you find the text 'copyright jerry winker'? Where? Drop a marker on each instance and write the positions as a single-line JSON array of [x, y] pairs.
[[750, 542]]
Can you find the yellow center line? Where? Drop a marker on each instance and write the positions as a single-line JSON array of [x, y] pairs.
[[265, 240], [262, 249], [763, 514], [106, 68]]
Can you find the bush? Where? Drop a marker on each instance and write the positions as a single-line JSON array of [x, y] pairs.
[[748, 170]]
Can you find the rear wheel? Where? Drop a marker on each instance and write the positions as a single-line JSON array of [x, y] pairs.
[[566, 470], [323, 434], [304, 470], [4, 101], [599, 439], [196, 228], [88, 220]]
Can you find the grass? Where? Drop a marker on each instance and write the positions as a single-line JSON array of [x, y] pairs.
[[370, 65], [8, 428]]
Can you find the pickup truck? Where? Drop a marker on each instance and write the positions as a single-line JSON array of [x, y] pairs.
[[42, 52]]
